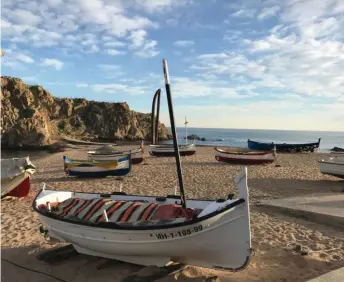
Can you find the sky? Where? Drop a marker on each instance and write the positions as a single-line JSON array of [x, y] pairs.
[[233, 64]]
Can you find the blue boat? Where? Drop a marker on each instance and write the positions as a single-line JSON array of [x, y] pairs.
[[282, 147], [86, 168]]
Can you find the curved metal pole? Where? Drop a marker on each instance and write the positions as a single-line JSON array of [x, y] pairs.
[[157, 120], [174, 133], [153, 129]]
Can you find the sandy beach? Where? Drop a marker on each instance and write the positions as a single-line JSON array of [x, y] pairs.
[[273, 236]]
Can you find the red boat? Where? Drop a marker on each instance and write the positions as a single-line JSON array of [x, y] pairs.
[[244, 156], [15, 177]]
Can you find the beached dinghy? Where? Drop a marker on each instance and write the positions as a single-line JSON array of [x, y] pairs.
[[283, 147], [333, 166], [168, 150], [85, 168], [150, 230], [15, 176], [106, 153], [244, 156]]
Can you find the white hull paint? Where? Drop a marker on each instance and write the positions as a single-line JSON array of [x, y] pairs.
[[122, 164], [332, 166], [221, 240]]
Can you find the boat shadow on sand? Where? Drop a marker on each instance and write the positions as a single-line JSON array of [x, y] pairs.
[[31, 264], [44, 263], [283, 188]]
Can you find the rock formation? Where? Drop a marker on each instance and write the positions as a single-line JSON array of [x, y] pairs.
[[31, 118]]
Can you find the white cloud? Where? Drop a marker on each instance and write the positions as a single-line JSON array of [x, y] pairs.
[[183, 43], [57, 64], [159, 5], [114, 52], [25, 58], [23, 17], [228, 63], [114, 88], [244, 13], [138, 38], [114, 44], [268, 12]]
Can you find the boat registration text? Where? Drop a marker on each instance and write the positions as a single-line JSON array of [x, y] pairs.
[[181, 233]]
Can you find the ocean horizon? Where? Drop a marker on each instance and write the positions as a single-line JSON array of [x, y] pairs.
[[238, 137]]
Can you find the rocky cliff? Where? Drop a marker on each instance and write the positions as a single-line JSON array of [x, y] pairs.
[[31, 118]]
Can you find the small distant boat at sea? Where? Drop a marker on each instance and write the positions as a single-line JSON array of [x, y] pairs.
[[86, 168], [333, 166], [243, 156], [15, 176], [168, 150], [107, 153], [283, 147]]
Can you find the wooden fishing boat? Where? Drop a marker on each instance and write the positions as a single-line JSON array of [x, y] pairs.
[[333, 166], [167, 150], [244, 156], [283, 147], [151, 230], [15, 176], [86, 168], [106, 154]]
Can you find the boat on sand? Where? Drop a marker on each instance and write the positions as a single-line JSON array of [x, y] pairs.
[[167, 150], [15, 176], [244, 156], [333, 166], [150, 230], [283, 147], [85, 168], [107, 153]]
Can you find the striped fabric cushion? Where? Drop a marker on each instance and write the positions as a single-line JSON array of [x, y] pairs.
[[117, 211]]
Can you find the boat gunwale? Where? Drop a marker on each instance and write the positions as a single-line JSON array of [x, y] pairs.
[[115, 226], [329, 162]]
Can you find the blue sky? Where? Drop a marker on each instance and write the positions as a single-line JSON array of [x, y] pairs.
[[233, 64]]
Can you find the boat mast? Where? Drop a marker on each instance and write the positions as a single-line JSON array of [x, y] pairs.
[[186, 132], [174, 133]]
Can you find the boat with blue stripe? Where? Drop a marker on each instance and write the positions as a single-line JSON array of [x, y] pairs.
[[86, 168]]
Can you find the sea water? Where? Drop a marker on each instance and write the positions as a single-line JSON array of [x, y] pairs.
[[239, 137]]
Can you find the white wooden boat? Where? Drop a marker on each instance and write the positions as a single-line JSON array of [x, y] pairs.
[[333, 166], [107, 154], [243, 156], [168, 150], [15, 176], [217, 236]]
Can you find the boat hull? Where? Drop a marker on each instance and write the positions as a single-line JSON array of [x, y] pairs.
[[219, 239], [168, 151], [19, 186], [285, 147], [332, 168], [87, 169], [244, 158], [136, 157]]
